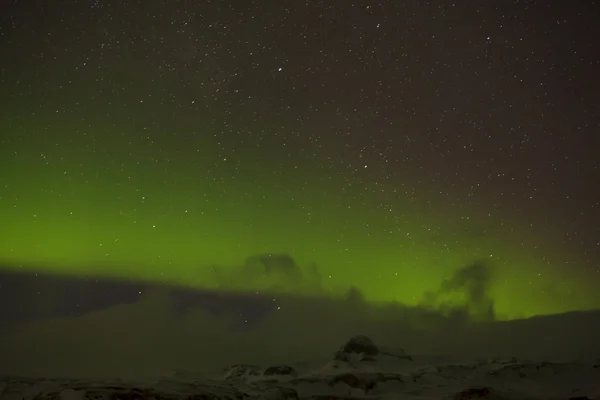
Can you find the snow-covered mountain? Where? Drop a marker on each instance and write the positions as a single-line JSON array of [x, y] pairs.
[[359, 369]]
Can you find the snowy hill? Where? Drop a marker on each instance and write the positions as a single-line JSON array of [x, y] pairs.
[[359, 369]]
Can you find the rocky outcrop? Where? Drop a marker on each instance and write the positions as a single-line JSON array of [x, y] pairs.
[[241, 371], [473, 393], [360, 344], [366, 382], [362, 348], [362, 377], [280, 370]]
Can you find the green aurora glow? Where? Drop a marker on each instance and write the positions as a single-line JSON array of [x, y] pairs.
[[142, 141], [65, 207]]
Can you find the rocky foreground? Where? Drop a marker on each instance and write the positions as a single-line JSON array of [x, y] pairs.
[[358, 370]]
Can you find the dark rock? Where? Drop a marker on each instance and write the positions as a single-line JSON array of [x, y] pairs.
[[280, 370], [398, 353], [141, 394], [280, 394], [341, 356], [360, 344], [239, 371], [391, 376], [355, 381], [481, 392]]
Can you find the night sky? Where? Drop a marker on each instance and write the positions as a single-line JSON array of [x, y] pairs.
[[387, 144]]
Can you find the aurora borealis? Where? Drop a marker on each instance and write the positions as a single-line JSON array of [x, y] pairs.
[[391, 144]]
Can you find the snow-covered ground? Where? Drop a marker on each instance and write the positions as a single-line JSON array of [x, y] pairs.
[[359, 369]]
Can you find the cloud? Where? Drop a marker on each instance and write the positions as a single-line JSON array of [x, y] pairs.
[[471, 285], [148, 338], [170, 328], [273, 272]]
